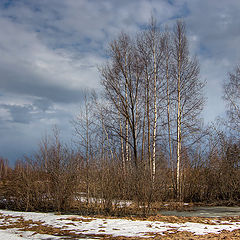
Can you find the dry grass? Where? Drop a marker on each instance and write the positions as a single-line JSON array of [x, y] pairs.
[[174, 219], [77, 219], [169, 219], [175, 235]]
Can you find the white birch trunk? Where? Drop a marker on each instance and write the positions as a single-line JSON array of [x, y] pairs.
[[155, 115], [179, 123]]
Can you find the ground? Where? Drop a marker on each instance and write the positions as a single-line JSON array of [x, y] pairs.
[[50, 226]]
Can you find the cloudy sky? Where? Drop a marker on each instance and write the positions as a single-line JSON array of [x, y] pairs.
[[50, 50]]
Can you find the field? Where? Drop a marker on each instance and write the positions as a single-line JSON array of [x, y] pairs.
[[49, 226]]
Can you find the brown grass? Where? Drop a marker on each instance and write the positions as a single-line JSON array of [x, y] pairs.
[[175, 235], [77, 219], [169, 219]]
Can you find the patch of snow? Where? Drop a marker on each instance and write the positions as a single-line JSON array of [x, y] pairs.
[[4, 234], [114, 227]]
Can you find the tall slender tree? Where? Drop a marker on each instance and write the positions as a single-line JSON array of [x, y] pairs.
[[189, 96], [232, 97]]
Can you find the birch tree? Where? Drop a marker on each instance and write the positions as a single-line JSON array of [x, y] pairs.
[[189, 96], [167, 61], [150, 50]]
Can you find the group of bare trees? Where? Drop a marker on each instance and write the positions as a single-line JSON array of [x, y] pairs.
[[153, 93], [140, 142]]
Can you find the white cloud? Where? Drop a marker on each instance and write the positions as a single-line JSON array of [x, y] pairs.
[[53, 66]]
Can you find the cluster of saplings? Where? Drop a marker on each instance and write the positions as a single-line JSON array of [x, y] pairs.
[[138, 144]]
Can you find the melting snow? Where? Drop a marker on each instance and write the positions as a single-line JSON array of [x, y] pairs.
[[95, 226]]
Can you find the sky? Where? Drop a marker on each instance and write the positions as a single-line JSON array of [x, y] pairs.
[[51, 49]]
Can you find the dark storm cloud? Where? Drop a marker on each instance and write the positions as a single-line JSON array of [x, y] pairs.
[[43, 104], [19, 114], [28, 112], [21, 81]]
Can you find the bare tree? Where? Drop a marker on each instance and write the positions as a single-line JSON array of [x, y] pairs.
[[232, 97], [85, 131], [167, 51], [149, 46], [121, 82], [189, 96], [62, 171]]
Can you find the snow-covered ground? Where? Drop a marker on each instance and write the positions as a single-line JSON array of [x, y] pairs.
[[32, 225]]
